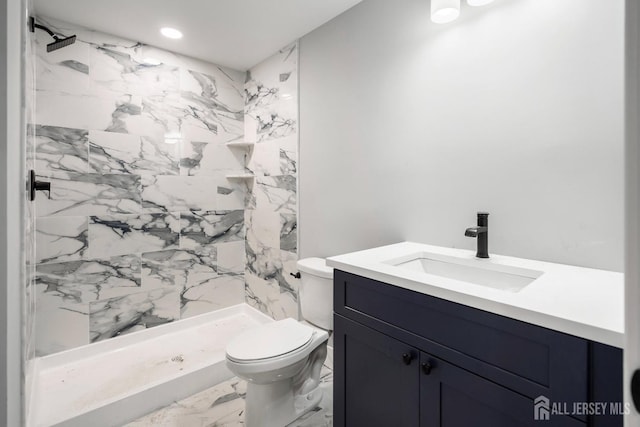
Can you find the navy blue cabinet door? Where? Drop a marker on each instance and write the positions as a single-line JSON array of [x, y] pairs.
[[453, 397], [376, 378]]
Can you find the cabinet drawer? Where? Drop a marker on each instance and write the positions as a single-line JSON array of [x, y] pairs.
[[527, 358]]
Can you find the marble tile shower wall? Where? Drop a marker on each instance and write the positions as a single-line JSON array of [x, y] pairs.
[[142, 227], [271, 123]]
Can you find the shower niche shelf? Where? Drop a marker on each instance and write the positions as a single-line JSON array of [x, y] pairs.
[[240, 175], [240, 144]]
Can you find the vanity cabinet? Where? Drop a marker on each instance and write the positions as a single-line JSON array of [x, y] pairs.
[[403, 358]]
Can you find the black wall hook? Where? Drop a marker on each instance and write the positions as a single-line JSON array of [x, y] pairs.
[[34, 186]]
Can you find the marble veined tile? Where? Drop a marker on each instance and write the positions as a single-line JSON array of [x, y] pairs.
[[231, 257], [288, 163], [59, 328], [208, 159], [83, 111], [192, 132], [61, 239], [209, 107], [125, 234], [63, 70], [232, 194], [111, 152], [250, 127], [289, 232], [276, 121], [160, 117], [269, 285], [274, 79], [194, 273], [275, 157], [219, 406], [288, 283], [224, 405], [215, 82], [275, 99], [74, 194], [88, 280], [121, 315], [120, 71], [262, 228], [276, 193], [198, 229], [177, 267], [288, 155], [263, 261], [271, 94], [59, 149], [203, 295], [179, 193], [263, 295], [265, 159]]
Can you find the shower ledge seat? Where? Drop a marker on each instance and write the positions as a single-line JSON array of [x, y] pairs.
[[112, 382]]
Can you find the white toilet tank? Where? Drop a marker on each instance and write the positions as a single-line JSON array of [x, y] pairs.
[[316, 292]]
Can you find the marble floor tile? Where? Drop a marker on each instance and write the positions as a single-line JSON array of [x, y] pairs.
[[223, 406]]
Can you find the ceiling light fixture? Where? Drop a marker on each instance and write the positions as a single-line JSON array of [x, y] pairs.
[[478, 2], [171, 33], [443, 11], [151, 61]]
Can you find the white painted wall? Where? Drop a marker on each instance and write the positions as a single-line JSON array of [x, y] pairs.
[[632, 156], [409, 128]]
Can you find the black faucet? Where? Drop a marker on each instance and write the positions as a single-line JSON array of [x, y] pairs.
[[482, 233]]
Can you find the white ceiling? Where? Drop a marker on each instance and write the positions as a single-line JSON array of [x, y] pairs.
[[234, 33]]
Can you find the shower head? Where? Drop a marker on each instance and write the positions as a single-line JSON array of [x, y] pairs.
[[58, 43]]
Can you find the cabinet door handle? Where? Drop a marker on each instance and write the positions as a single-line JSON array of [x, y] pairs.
[[426, 368], [407, 358]]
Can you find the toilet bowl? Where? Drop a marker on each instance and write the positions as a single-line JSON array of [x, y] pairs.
[[281, 361]]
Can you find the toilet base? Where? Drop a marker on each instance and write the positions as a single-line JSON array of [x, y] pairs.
[[274, 405], [279, 403]]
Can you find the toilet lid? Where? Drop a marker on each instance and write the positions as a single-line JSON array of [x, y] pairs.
[[269, 340]]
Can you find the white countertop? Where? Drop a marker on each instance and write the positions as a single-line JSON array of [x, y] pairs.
[[584, 302]]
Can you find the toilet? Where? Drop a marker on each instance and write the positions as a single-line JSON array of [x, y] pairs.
[[281, 361]]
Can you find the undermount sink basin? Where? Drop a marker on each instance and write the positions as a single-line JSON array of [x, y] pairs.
[[474, 271]]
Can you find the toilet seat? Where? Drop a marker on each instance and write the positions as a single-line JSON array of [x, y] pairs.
[[270, 341]]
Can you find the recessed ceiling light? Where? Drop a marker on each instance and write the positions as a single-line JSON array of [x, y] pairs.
[[171, 33], [444, 11], [478, 2], [151, 61]]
